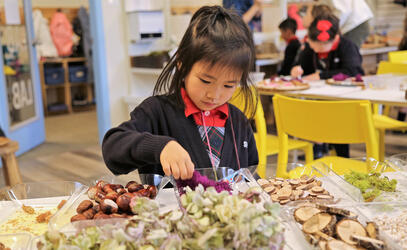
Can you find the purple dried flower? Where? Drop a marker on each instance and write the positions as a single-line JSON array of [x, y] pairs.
[[197, 179]]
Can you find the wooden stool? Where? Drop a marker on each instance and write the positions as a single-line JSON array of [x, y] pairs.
[[8, 158]]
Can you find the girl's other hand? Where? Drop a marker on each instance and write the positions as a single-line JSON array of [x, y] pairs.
[[176, 161], [297, 71]]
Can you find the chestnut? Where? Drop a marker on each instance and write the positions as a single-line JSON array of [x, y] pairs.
[[144, 192], [96, 208], [108, 206], [118, 216], [100, 184], [108, 188], [134, 187], [92, 192], [123, 201], [99, 197], [121, 191], [129, 183], [89, 213], [78, 217], [83, 206], [116, 186], [153, 191], [112, 196], [101, 215]]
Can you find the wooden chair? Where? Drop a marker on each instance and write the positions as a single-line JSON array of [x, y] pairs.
[[11, 171]]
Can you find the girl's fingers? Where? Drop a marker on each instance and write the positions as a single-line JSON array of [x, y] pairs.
[[166, 168], [190, 168], [183, 170], [175, 170]]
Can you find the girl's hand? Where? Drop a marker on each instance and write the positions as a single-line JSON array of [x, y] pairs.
[[175, 160], [312, 77], [297, 71]]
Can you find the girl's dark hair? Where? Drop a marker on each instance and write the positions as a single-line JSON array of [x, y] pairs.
[[215, 36], [325, 24], [403, 42]]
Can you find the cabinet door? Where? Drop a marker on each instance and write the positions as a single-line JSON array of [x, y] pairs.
[[21, 114]]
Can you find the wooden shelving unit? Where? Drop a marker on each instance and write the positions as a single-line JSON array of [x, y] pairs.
[[66, 86]]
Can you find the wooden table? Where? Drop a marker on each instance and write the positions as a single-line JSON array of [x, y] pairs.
[[391, 95]]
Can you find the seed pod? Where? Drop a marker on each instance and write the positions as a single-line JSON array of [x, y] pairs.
[[108, 206], [134, 187], [83, 206], [78, 217]]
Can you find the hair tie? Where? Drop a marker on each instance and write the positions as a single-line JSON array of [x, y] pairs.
[[323, 26]]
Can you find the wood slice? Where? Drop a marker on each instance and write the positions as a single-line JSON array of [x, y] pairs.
[[346, 228], [338, 245], [372, 230], [302, 214], [263, 182], [322, 244], [333, 210], [318, 222], [368, 243], [317, 189]]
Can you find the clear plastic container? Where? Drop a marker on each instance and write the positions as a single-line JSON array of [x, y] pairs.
[[43, 197], [63, 216], [390, 218], [337, 188], [384, 168], [361, 218], [20, 241]]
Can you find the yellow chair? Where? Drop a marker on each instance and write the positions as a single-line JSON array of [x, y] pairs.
[[267, 144], [398, 56], [384, 122], [324, 121]]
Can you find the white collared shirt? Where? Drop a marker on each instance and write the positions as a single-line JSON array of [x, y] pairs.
[[351, 13]]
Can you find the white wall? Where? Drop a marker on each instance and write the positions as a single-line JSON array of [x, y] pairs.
[[118, 65], [55, 3]]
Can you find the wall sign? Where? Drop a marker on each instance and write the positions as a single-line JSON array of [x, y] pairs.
[[20, 98]]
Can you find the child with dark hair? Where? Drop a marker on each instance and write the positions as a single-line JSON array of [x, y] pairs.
[[287, 29], [2, 133], [327, 52], [188, 123]]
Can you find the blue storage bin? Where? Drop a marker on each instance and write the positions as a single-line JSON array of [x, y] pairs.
[[54, 75], [78, 73]]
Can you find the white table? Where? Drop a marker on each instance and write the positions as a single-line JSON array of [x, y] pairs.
[[319, 90]]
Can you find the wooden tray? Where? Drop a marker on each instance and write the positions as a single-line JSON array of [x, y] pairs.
[[262, 86], [344, 83]]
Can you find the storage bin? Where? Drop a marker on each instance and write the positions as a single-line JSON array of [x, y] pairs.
[[54, 75], [78, 73]]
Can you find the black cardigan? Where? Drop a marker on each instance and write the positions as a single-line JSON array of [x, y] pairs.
[[290, 54], [137, 143], [345, 59]]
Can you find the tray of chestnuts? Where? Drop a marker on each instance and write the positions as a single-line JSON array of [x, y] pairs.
[[109, 197]]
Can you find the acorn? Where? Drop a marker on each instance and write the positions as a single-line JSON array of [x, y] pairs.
[[78, 217], [134, 187], [83, 206]]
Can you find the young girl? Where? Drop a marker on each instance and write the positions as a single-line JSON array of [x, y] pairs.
[[327, 52], [188, 123]]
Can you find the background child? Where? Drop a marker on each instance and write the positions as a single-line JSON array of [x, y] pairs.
[[191, 125], [287, 29], [328, 53]]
